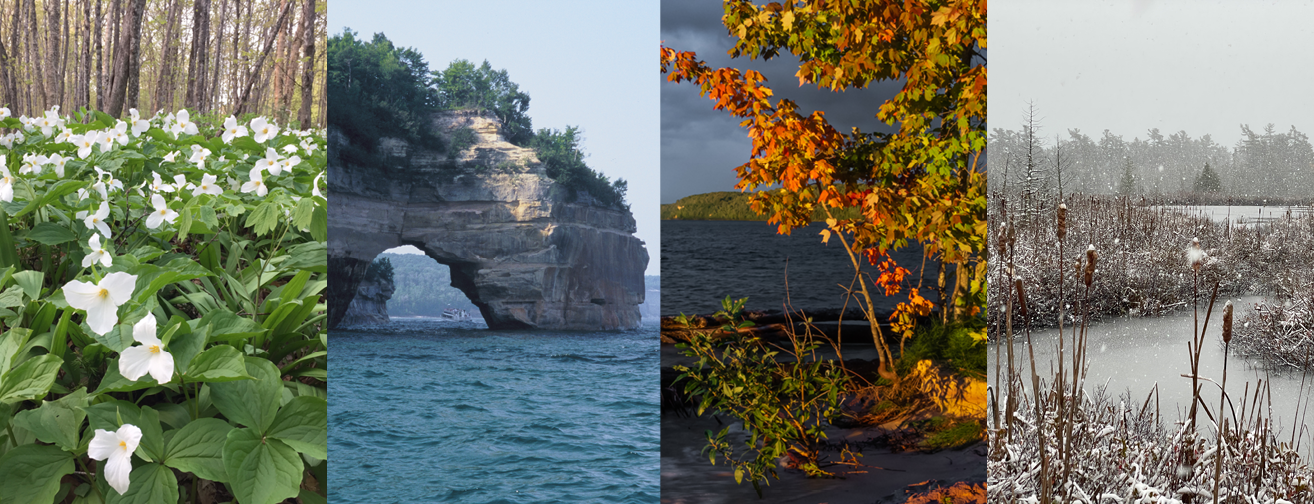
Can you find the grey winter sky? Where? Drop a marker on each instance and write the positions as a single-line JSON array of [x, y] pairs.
[[700, 146], [1129, 66], [583, 63]]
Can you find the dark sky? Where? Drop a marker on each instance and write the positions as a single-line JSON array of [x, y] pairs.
[[701, 146]]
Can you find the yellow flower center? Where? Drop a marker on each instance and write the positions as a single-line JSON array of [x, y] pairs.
[[154, 348], [104, 293], [164, 211], [123, 444]]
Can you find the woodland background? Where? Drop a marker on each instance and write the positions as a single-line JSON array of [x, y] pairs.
[[234, 57]]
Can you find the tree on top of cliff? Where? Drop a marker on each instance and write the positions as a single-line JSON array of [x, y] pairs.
[[380, 269], [380, 90], [921, 183], [564, 162], [462, 85]]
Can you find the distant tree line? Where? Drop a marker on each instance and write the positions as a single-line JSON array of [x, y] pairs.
[[1263, 164], [382, 90], [224, 56], [729, 205], [422, 287]]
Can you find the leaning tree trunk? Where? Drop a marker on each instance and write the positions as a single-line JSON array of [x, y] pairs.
[[123, 60], [255, 72], [134, 62]]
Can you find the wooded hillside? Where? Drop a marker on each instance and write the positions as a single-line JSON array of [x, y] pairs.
[[223, 56]]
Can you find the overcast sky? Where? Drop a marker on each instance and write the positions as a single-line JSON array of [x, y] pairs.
[[1129, 66], [700, 146], [583, 63]]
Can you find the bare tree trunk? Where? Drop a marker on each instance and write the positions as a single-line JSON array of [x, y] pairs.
[[84, 83], [37, 59], [218, 57], [100, 60], [52, 53], [11, 61], [163, 96], [269, 45], [122, 59], [134, 62], [196, 65], [308, 63], [8, 98]]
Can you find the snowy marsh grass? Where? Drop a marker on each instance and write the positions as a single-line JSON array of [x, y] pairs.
[[1060, 444]]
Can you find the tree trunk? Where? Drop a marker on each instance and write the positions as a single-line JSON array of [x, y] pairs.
[[122, 62], [255, 72], [51, 62], [163, 96], [100, 61], [308, 63], [213, 101], [134, 61], [8, 98], [197, 65]]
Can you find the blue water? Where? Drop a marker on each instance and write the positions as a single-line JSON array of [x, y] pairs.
[[434, 411]]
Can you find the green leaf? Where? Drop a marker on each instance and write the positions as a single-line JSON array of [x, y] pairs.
[[30, 281], [252, 403], [50, 233], [304, 213], [10, 342], [220, 363], [260, 471], [106, 415], [30, 380], [264, 218], [152, 435], [59, 190], [227, 325], [117, 339], [206, 215], [116, 382], [11, 297], [57, 422], [302, 423], [319, 224], [198, 448], [149, 484], [31, 473], [152, 278], [184, 223], [185, 346], [311, 256]]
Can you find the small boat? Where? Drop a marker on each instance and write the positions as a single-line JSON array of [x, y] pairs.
[[456, 314]]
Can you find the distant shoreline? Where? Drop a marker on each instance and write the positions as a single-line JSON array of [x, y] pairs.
[[726, 206]]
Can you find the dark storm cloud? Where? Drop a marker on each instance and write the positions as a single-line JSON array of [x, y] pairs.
[[701, 146]]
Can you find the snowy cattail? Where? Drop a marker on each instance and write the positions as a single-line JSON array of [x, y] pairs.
[[1227, 323], [1021, 297], [1195, 255], [1012, 234], [1062, 221], [1090, 264]]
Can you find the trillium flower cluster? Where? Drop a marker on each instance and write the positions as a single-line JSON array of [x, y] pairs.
[[115, 448]]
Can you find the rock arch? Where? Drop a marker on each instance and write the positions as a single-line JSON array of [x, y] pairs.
[[515, 247]]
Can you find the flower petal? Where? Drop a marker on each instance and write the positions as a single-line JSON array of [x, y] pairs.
[[105, 444], [81, 295], [144, 330], [131, 435], [162, 367], [117, 469], [120, 286], [135, 362], [102, 315]]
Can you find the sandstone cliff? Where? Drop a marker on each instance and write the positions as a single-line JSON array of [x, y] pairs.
[[370, 305], [516, 248]]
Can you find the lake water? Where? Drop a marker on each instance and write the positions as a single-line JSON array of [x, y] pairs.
[[1136, 354], [1243, 214], [425, 410], [704, 261]]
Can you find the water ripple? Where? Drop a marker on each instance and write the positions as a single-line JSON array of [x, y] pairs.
[[424, 412]]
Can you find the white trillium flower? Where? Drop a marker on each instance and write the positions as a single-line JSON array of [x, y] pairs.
[[162, 212], [139, 125], [270, 162], [98, 253], [5, 113], [290, 148], [199, 154], [158, 185], [314, 188], [97, 220], [84, 143], [58, 162], [256, 184], [65, 135], [6, 182], [106, 141], [308, 145], [232, 129], [31, 164], [170, 157], [183, 124], [261, 130], [116, 448], [137, 361], [208, 186], [101, 300]]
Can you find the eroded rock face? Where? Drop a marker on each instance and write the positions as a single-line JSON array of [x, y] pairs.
[[370, 306], [516, 248]]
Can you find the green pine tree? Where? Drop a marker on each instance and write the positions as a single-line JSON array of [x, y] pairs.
[[1208, 181], [1127, 185]]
